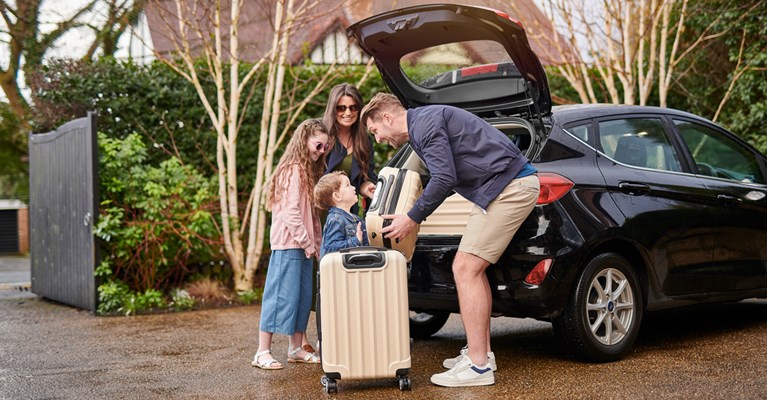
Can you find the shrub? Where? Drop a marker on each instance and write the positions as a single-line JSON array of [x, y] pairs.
[[154, 221], [112, 296], [14, 178], [251, 296], [181, 300], [209, 291]]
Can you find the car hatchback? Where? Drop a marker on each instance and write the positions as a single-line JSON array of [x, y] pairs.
[[641, 208]]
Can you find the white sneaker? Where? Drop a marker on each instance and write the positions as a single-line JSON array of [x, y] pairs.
[[465, 373], [450, 362]]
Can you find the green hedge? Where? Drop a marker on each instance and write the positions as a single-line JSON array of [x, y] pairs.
[[164, 108]]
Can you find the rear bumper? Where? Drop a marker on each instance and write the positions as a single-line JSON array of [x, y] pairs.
[[548, 233], [432, 287]]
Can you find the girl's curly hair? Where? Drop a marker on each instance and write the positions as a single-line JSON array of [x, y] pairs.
[[297, 153]]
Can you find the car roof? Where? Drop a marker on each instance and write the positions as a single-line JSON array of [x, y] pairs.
[[566, 114]]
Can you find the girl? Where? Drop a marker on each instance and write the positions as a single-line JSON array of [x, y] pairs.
[[295, 240]]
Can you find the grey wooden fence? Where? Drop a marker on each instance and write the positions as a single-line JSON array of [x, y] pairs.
[[63, 206]]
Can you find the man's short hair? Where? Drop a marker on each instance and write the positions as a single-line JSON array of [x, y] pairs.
[[380, 103], [325, 187]]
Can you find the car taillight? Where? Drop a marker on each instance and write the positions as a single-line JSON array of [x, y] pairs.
[[553, 187], [538, 274]]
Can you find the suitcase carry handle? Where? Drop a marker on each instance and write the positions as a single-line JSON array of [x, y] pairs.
[[364, 260], [363, 248], [381, 196]]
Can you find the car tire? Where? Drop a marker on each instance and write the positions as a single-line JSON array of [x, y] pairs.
[[601, 322], [426, 323]]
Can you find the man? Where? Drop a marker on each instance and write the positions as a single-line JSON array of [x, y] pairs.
[[467, 155]]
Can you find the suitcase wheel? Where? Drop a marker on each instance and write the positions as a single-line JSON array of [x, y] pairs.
[[330, 384], [404, 383]]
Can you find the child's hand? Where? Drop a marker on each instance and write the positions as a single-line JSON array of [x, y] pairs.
[[309, 253], [359, 231]]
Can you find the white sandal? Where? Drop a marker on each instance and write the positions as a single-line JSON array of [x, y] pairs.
[[268, 364], [308, 359]]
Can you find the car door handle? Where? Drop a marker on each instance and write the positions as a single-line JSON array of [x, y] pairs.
[[634, 188], [729, 198]]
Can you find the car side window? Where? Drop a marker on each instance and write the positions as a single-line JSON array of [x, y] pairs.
[[717, 155], [582, 132], [641, 142]]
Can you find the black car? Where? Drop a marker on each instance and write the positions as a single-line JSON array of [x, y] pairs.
[[641, 208]]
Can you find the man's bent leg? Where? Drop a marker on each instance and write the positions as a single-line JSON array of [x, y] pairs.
[[475, 302]]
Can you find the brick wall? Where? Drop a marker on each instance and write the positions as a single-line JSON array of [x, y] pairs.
[[23, 216]]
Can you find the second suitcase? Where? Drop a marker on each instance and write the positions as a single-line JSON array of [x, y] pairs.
[[364, 316], [396, 192]]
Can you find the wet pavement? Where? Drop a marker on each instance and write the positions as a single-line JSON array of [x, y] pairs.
[[48, 350], [14, 273]]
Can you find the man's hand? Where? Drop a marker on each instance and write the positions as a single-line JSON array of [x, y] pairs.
[[401, 226]]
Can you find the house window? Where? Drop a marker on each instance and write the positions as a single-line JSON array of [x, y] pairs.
[[337, 48]]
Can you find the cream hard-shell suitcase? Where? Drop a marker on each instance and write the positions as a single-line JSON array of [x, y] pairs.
[[364, 319], [396, 192]]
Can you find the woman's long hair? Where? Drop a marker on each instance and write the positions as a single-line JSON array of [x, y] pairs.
[[297, 153], [358, 134]]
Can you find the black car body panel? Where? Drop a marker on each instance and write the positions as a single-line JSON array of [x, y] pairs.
[[688, 245]]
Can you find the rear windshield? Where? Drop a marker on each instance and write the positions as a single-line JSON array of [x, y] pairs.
[[455, 63]]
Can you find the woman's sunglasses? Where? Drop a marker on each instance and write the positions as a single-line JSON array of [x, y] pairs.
[[323, 146], [342, 108]]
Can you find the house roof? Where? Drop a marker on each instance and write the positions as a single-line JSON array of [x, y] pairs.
[[257, 19], [11, 204]]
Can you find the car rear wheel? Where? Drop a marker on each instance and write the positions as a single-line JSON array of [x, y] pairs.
[[604, 311], [426, 323]]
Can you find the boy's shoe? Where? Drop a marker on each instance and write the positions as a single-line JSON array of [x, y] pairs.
[[450, 362], [465, 373]]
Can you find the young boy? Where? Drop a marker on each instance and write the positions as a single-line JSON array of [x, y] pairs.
[[342, 229]]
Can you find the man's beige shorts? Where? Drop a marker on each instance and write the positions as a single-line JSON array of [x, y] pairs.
[[488, 233]]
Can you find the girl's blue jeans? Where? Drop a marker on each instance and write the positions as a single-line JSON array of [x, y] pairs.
[[287, 299]]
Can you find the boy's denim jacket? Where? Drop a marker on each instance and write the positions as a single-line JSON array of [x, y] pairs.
[[340, 231]]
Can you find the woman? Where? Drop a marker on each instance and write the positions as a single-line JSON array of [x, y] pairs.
[[352, 152]]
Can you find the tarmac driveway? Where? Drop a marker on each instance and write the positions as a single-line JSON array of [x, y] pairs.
[[49, 350]]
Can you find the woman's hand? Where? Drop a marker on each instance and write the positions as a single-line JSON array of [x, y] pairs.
[[368, 189]]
